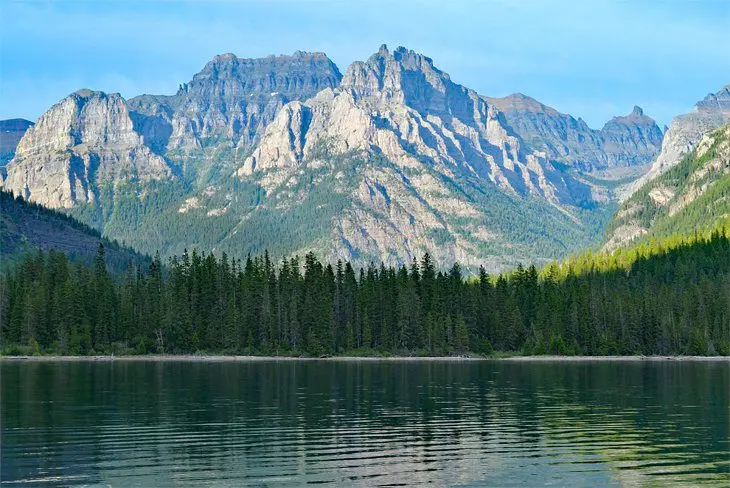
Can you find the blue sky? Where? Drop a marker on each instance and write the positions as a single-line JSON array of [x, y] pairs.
[[592, 61]]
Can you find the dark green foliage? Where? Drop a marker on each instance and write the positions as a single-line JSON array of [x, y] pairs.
[[661, 298]]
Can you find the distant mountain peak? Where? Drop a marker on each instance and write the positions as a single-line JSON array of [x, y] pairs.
[[87, 93], [635, 117], [521, 102], [402, 74], [11, 132], [230, 64], [715, 101], [15, 124], [224, 57], [684, 132]]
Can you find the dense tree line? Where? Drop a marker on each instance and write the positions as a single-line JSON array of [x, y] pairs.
[[671, 297]]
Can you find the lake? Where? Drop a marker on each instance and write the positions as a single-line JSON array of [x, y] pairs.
[[365, 423]]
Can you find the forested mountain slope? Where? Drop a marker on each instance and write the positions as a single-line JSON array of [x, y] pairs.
[[28, 226], [693, 195]]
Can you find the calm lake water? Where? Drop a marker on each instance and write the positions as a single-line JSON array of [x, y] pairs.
[[365, 423]]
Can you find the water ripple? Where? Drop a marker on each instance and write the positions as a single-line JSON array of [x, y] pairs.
[[374, 425]]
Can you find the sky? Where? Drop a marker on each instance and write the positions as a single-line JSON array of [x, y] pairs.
[[593, 59]]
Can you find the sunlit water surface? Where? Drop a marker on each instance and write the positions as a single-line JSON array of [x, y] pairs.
[[365, 423]]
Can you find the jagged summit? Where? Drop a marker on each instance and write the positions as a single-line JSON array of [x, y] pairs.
[[82, 143], [230, 101], [407, 77], [636, 117], [629, 140], [87, 93], [715, 101], [684, 132], [287, 74]]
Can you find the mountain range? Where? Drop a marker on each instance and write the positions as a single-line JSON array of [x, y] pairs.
[[384, 162]]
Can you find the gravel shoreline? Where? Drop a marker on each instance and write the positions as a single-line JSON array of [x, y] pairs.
[[214, 358]]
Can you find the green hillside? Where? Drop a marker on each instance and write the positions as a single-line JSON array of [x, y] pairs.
[[692, 196]]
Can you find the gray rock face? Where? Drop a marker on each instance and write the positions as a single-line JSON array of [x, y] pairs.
[[231, 100], [90, 137], [11, 131], [79, 144], [631, 140], [685, 132], [401, 107]]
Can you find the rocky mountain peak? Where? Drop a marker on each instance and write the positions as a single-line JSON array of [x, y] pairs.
[[629, 140], [82, 143], [84, 93], [410, 78], [231, 100], [290, 75], [519, 102], [715, 101], [85, 116], [685, 132], [635, 117]]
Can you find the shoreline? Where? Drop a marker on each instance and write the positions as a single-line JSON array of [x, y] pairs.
[[222, 358]]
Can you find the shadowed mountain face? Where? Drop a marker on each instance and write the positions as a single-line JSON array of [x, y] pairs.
[[11, 131], [26, 227], [389, 161]]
